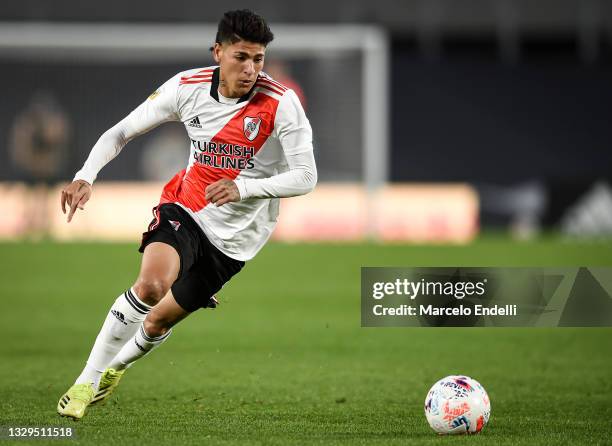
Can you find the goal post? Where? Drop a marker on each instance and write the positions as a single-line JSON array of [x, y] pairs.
[[102, 70], [138, 42]]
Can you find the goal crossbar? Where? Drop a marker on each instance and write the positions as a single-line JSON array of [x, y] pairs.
[[145, 42]]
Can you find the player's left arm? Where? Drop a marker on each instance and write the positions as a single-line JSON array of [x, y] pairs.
[[295, 135]]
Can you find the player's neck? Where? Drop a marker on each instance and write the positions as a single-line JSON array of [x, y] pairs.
[[225, 100], [226, 92]]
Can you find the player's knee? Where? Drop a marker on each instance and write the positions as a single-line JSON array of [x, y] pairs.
[[155, 326], [151, 291]]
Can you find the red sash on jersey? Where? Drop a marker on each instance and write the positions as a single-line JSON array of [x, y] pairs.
[[188, 187]]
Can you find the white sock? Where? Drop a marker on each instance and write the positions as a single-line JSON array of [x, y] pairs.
[[139, 346], [122, 321]]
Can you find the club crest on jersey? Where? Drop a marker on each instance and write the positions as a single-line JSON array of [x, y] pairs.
[[251, 127]]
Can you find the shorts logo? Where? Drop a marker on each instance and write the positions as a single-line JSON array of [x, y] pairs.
[[175, 224], [251, 127]]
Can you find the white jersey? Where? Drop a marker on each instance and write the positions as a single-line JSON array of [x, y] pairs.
[[262, 141]]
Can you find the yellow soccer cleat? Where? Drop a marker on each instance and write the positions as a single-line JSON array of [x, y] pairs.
[[108, 382], [74, 403]]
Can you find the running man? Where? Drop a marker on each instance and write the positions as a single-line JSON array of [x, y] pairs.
[[251, 144]]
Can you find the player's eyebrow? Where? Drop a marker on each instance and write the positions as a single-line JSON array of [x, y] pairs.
[[244, 53]]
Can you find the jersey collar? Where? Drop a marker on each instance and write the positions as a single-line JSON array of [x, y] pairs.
[[215, 87]]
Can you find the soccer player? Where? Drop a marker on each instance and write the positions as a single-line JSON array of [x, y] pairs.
[[251, 144]]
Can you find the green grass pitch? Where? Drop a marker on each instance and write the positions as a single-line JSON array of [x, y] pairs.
[[284, 360]]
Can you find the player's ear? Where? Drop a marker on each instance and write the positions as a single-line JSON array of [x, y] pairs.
[[216, 52]]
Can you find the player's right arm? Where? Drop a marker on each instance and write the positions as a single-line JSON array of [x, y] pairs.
[[160, 107]]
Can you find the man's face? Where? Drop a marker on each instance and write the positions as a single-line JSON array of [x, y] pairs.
[[240, 64]]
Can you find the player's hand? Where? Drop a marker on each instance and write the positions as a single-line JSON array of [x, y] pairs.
[[75, 195], [222, 191]]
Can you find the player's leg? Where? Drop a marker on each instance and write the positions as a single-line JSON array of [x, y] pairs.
[[155, 329], [159, 269], [195, 289]]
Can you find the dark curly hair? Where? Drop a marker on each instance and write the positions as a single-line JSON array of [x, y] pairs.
[[243, 24]]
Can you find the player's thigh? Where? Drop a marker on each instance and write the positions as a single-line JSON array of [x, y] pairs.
[[159, 269], [207, 276], [164, 316]]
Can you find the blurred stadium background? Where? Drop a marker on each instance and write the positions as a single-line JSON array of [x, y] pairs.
[[448, 133], [433, 119]]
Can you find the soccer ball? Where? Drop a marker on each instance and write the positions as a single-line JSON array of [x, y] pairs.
[[457, 405]]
